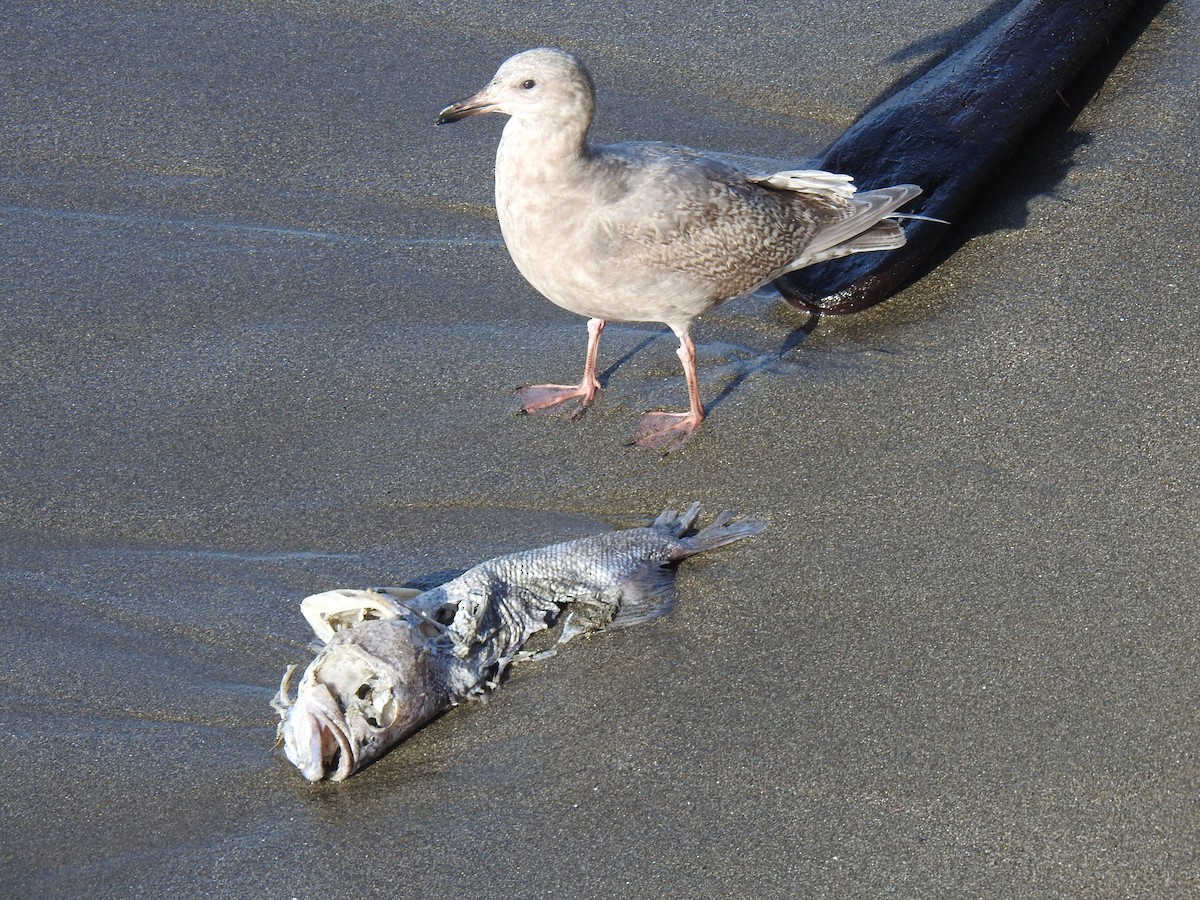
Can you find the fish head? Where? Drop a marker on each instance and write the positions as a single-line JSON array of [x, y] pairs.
[[370, 687], [546, 84]]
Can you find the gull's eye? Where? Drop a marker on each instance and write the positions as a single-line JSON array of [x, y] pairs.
[[528, 83]]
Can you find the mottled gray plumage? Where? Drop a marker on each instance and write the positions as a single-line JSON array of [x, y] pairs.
[[650, 232], [395, 658]]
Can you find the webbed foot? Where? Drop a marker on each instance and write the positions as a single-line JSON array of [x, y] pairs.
[[665, 432], [567, 401]]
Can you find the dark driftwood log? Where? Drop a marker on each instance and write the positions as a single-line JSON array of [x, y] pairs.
[[947, 131]]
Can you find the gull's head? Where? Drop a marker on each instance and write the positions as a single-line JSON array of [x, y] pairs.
[[546, 85]]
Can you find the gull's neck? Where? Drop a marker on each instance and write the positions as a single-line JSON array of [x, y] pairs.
[[542, 149]]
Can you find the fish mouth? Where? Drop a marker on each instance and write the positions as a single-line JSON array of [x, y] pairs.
[[315, 737]]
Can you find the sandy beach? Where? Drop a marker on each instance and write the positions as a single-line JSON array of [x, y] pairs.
[[262, 337]]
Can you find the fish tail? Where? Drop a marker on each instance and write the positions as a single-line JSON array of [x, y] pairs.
[[725, 529]]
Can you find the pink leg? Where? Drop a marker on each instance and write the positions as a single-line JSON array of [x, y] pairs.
[[665, 431], [546, 399]]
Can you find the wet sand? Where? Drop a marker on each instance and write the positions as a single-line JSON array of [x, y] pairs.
[[261, 340]]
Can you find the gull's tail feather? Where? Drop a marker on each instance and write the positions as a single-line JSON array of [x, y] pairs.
[[870, 208]]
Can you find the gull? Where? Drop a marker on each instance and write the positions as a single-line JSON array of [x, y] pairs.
[[648, 231]]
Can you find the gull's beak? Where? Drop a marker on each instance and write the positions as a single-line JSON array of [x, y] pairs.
[[468, 106]]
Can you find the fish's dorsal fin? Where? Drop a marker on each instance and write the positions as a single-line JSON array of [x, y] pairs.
[[676, 523], [331, 611]]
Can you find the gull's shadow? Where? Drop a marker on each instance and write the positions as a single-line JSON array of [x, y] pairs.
[[757, 364], [745, 367], [626, 357]]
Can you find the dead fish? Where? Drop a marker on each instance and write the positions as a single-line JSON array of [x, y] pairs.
[[394, 658]]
